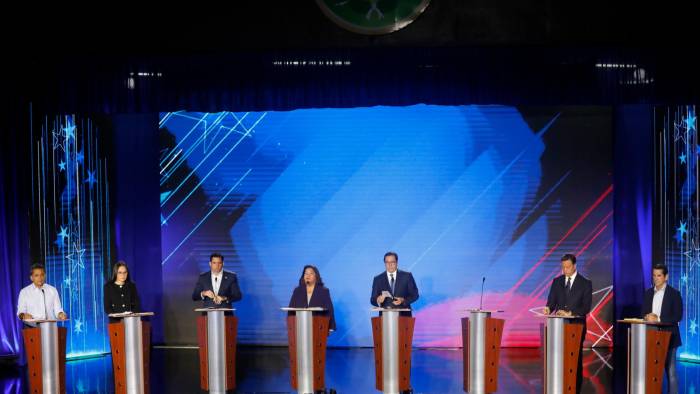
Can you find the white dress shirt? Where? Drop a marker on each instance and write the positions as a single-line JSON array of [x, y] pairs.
[[658, 301], [216, 284], [37, 303]]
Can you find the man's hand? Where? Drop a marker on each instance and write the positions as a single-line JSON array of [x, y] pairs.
[[207, 293], [398, 301], [564, 313], [546, 311], [219, 299], [380, 299], [25, 316], [62, 316], [651, 317]]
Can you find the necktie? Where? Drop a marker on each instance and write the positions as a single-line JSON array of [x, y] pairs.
[[568, 284], [391, 283]]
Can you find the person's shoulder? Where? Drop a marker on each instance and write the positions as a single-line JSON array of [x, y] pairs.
[[558, 278], [579, 275], [379, 276], [405, 273], [50, 288], [673, 290], [229, 273], [26, 289], [205, 274]]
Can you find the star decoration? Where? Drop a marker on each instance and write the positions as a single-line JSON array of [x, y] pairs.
[[58, 140], [693, 327], [693, 254], [69, 131], [682, 158], [684, 278], [62, 165], [63, 233], [78, 327], [678, 237], [59, 242], [76, 258], [690, 122], [91, 178], [67, 282], [79, 157]]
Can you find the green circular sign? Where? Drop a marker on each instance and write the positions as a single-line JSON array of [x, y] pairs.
[[373, 16]]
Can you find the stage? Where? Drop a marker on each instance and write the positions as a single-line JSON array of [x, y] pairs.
[[349, 370]]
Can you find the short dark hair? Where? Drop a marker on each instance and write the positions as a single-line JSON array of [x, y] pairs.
[[36, 266], [319, 281], [661, 267], [115, 269], [396, 256], [216, 254], [569, 257]]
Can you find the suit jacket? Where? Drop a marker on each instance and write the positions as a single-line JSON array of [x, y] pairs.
[[321, 297], [404, 286], [228, 288], [121, 299], [579, 299], [671, 311]]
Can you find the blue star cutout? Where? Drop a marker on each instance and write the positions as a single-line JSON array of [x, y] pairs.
[[59, 242], [682, 158], [66, 282], [79, 157], [678, 237], [683, 228], [78, 328], [91, 178], [690, 122], [62, 165], [69, 130], [64, 232], [684, 278], [693, 327]]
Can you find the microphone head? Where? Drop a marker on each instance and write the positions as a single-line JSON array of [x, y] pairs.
[[483, 279]]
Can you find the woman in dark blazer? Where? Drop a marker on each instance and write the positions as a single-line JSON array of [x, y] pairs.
[[120, 293], [312, 293]]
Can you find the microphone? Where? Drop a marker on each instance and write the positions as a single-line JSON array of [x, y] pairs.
[[481, 301], [46, 312]]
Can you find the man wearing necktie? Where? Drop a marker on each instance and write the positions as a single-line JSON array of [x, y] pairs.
[[217, 288], [571, 295], [400, 286]]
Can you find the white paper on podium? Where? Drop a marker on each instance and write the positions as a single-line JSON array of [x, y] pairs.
[[127, 314], [311, 309], [42, 320]]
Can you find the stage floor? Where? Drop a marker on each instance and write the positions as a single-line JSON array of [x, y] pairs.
[[266, 370]]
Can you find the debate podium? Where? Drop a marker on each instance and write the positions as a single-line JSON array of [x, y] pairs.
[[647, 347], [45, 346], [562, 342], [481, 342], [130, 342], [308, 336], [393, 337], [216, 333]]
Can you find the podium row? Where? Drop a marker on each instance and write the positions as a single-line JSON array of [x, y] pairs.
[[392, 334]]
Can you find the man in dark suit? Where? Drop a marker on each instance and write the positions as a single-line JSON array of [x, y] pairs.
[[398, 284], [217, 288], [663, 303], [571, 295]]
